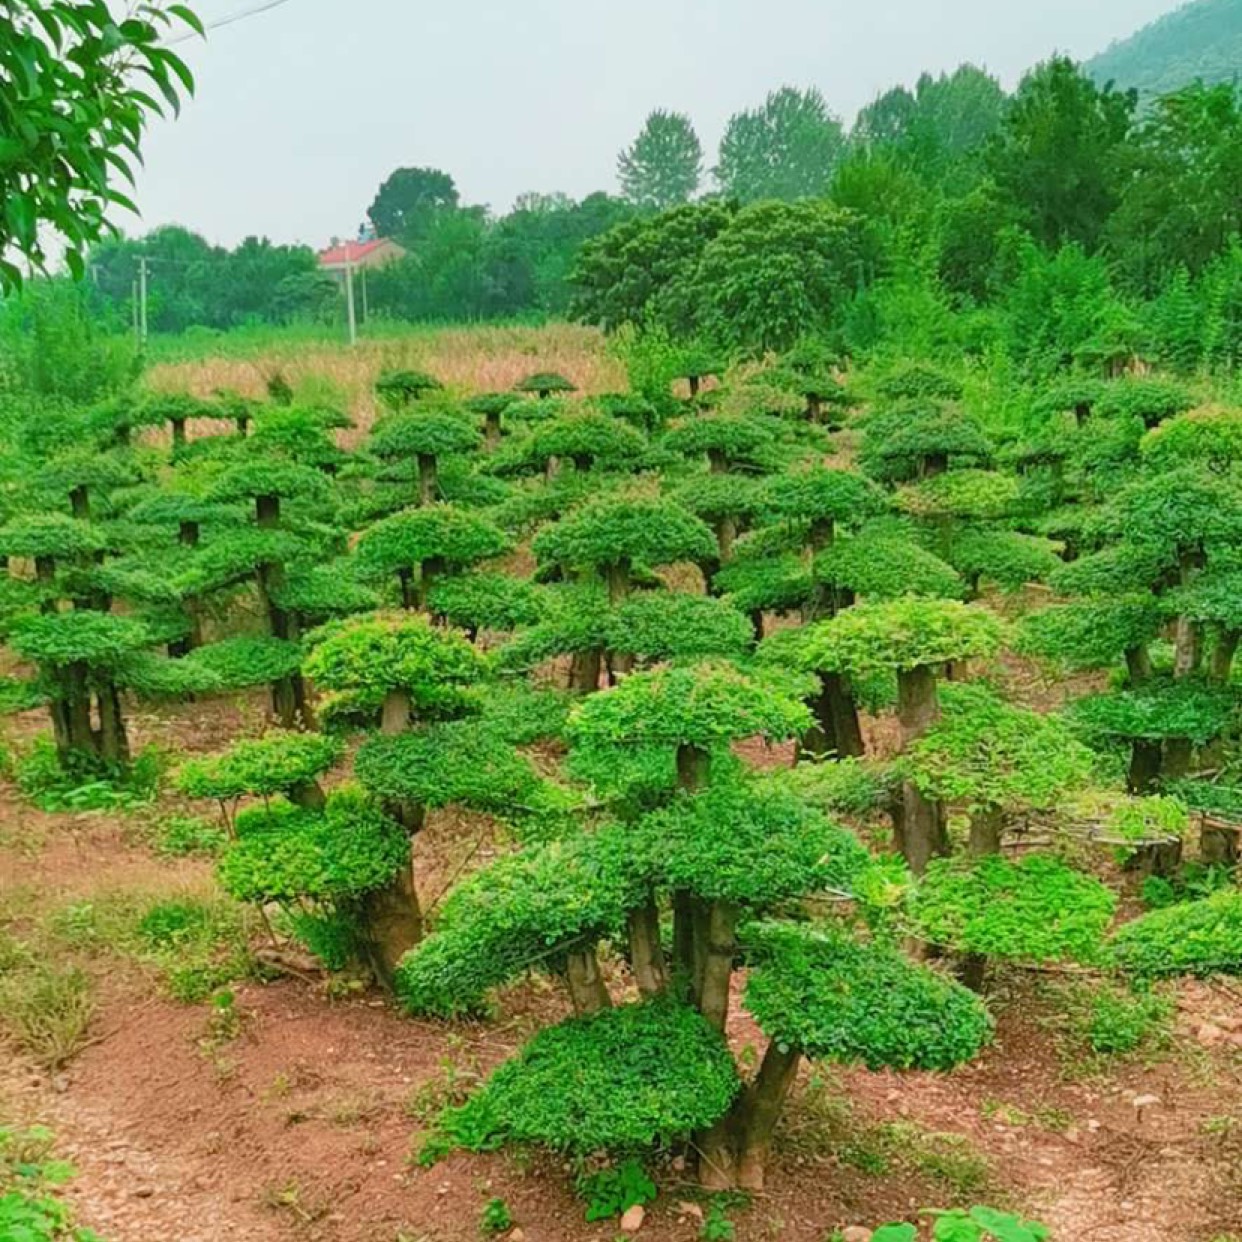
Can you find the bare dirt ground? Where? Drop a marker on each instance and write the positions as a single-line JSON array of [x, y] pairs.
[[302, 1124]]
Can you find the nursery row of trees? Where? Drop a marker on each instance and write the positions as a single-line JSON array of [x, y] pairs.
[[693, 578]]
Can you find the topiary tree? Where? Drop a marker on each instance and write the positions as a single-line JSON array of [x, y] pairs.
[[491, 407], [83, 478], [543, 384], [1150, 399], [1037, 909], [728, 441], [399, 389], [821, 498], [419, 546], [995, 760], [726, 503], [1201, 938], [1209, 437], [916, 381], [918, 441], [695, 363], [324, 867], [913, 638], [609, 538], [265, 553], [171, 409], [402, 674], [424, 438], [588, 440], [480, 601], [285, 763], [80, 655], [823, 993]]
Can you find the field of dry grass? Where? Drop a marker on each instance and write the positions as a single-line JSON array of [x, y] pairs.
[[470, 359]]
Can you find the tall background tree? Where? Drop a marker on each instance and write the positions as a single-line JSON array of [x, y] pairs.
[[407, 204], [663, 165], [786, 149], [1056, 154]]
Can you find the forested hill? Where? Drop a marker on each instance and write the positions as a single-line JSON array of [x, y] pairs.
[[1199, 40]]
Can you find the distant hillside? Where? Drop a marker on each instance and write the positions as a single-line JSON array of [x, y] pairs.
[[1200, 40]]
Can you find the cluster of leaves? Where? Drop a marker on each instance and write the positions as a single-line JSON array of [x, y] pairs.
[[620, 1080], [1035, 910], [30, 1178]]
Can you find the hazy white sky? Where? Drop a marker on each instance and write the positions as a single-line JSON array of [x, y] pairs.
[[302, 111]]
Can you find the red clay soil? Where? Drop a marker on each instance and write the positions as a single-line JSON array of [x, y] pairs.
[[303, 1125]]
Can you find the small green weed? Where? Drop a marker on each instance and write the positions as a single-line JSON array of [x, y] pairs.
[[182, 836], [1112, 1020], [496, 1217], [29, 1179], [979, 1224], [612, 1191], [717, 1227], [50, 786]]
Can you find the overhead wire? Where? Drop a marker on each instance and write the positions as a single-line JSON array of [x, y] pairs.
[[229, 18]]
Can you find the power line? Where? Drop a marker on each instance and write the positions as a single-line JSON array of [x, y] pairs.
[[230, 18]]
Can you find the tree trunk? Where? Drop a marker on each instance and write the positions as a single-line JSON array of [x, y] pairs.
[[587, 990], [80, 503], [646, 951], [178, 433], [427, 482], [394, 923], [1187, 647], [717, 462], [917, 705], [188, 534], [584, 669], [1161, 858], [431, 569], [986, 827], [756, 622], [1224, 649], [694, 766], [1138, 664], [823, 532], [396, 712], [684, 938], [837, 730], [1144, 770], [309, 795], [934, 464], [618, 578], [45, 576], [920, 829], [1218, 844], [267, 510], [718, 948], [1175, 763], [491, 432], [409, 597], [113, 740], [759, 1110], [694, 381], [726, 534], [814, 406]]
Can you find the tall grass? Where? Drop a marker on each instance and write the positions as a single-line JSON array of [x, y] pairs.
[[479, 358]]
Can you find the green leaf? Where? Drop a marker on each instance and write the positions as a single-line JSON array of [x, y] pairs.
[[895, 1233], [188, 16]]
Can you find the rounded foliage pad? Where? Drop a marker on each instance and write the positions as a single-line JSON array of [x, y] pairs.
[[619, 1080], [1036, 910], [821, 990]]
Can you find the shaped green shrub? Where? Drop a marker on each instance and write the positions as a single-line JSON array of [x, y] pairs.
[[1035, 910], [621, 1081], [1193, 938]]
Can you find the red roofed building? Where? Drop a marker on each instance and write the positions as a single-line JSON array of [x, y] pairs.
[[360, 254]]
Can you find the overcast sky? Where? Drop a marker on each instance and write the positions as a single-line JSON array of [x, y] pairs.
[[303, 110]]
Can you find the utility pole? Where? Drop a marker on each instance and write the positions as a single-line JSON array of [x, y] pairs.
[[133, 308], [366, 314], [142, 299], [349, 296]]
